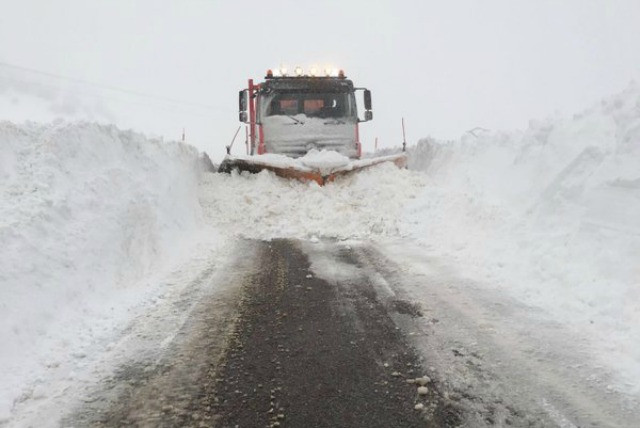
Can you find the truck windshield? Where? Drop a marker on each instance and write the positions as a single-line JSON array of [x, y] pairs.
[[324, 105]]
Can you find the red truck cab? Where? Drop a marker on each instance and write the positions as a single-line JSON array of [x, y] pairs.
[[292, 115]]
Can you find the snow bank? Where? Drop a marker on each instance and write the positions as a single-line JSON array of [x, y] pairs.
[[364, 205], [85, 211], [551, 214]]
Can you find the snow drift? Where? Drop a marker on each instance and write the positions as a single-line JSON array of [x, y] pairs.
[[551, 214], [365, 205], [85, 211]]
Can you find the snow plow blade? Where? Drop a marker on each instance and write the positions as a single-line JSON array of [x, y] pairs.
[[254, 164]]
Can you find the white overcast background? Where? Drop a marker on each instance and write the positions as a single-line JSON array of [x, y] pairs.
[[446, 66]]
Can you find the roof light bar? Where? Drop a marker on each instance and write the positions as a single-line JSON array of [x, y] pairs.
[[298, 71]]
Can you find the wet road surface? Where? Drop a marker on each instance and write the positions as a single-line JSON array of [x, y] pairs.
[[306, 353], [292, 351]]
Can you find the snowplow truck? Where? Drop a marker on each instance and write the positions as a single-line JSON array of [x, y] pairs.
[[292, 115]]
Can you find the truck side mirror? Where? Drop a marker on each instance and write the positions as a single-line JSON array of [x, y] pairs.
[[368, 115], [367, 99], [242, 100], [242, 106]]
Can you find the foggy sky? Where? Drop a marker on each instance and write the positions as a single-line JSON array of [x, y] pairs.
[[446, 66]]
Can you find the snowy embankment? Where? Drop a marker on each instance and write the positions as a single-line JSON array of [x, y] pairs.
[[551, 215], [86, 212]]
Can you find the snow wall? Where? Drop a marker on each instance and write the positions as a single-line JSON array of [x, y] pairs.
[[85, 211], [552, 214]]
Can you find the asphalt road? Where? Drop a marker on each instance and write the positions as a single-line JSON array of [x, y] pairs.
[[306, 353], [290, 350]]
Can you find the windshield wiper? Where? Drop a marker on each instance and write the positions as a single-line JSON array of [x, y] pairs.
[[335, 122], [298, 121]]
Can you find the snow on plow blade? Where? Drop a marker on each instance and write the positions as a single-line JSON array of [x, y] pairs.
[[295, 170]]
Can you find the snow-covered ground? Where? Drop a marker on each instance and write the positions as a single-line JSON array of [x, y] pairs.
[[550, 215], [89, 216]]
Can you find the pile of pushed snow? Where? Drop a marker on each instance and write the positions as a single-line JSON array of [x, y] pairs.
[[85, 211], [551, 214], [368, 204], [324, 161]]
